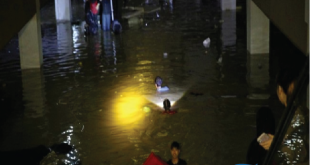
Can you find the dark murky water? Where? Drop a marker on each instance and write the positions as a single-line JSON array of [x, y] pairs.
[[97, 93]]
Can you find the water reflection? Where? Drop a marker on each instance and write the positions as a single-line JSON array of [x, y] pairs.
[[109, 54], [64, 38], [229, 35], [258, 70], [33, 93], [73, 156]]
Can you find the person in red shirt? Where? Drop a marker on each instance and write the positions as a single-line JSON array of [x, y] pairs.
[[91, 12]]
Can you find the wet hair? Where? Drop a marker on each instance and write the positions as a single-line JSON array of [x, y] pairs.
[[287, 76], [175, 145], [291, 65], [167, 104], [158, 81]]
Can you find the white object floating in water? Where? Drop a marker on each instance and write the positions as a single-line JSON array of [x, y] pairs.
[[219, 61], [165, 54], [207, 42]]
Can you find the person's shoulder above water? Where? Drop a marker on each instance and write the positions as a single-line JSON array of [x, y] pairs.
[[181, 162]]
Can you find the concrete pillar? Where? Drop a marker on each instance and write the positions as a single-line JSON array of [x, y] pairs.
[[258, 71], [228, 34], [228, 4], [257, 46], [63, 10], [33, 93], [109, 49], [30, 42], [257, 30]]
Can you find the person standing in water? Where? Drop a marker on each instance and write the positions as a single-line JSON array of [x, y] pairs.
[[105, 15], [91, 11]]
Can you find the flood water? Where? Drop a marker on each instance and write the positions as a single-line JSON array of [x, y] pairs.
[[98, 94]]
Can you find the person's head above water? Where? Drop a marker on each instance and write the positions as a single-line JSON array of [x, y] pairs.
[[286, 80], [167, 105], [175, 150], [158, 82]]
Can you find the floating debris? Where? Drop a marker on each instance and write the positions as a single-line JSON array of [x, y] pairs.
[[206, 43]]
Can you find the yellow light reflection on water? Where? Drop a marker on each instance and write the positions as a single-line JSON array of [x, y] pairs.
[[128, 109]]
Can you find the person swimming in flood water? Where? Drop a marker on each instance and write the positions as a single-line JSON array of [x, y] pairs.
[[158, 84], [167, 105]]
